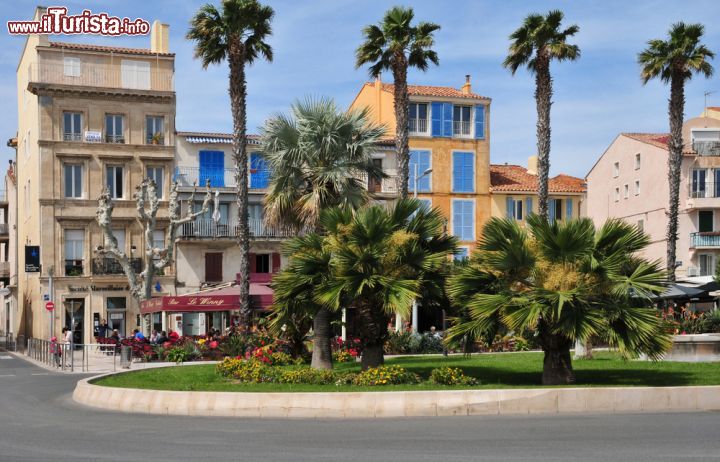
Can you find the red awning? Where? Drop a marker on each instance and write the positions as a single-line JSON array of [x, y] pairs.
[[222, 299]]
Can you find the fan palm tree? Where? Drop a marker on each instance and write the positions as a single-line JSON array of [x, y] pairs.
[[535, 44], [567, 281], [395, 44], [236, 33], [382, 259], [674, 61], [310, 154]]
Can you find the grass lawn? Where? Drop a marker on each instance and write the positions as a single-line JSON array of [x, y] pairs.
[[516, 370]]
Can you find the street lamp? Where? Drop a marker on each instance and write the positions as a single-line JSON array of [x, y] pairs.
[[416, 178]]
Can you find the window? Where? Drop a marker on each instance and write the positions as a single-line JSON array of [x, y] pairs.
[[699, 186], [71, 67], [213, 267], [463, 254], [637, 161], [617, 194], [259, 172], [461, 120], [616, 169], [255, 212], [72, 126], [116, 307], [114, 181], [464, 219], [212, 167], [158, 239], [135, 74], [641, 225], [514, 208], [157, 174], [706, 264], [419, 164], [74, 251], [706, 221], [463, 172], [119, 235], [418, 118], [262, 263], [114, 128], [637, 187], [555, 209], [73, 181], [154, 129], [626, 188]]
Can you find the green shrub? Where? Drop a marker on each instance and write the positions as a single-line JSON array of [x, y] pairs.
[[521, 344], [308, 376], [413, 343], [385, 375], [451, 376], [187, 351]]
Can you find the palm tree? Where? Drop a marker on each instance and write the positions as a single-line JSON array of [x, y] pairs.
[[394, 44], [237, 33], [382, 259], [675, 60], [310, 154], [534, 44], [567, 281]]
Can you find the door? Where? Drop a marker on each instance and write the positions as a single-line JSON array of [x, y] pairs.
[[375, 185], [75, 317], [213, 267], [705, 221]]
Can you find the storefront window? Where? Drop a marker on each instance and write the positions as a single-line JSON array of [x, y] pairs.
[[116, 307]]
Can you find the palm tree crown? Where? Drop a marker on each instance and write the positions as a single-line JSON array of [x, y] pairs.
[[681, 53], [246, 21]]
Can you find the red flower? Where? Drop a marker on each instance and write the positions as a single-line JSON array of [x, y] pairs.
[[213, 344]]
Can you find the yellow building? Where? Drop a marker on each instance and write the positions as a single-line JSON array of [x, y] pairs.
[[89, 117], [514, 192], [449, 150]]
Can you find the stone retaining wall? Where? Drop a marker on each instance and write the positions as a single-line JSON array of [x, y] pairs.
[[400, 403]]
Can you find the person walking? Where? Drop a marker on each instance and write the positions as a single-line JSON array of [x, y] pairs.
[[55, 351], [103, 329]]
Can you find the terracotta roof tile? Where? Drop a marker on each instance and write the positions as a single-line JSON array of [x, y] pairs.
[[427, 90], [512, 178], [109, 49], [659, 140]]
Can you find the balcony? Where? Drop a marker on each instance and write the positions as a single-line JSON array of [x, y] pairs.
[[72, 136], [419, 126], [115, 139], [461, 128], [209, 229], [389, 185], [109, 265], [156, 139], [703, 194], [74, 268], [705, 240], [101, 76], [189, 176], [707, 148]]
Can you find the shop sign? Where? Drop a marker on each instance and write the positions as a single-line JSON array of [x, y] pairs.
[[32, 258], [98, 288]]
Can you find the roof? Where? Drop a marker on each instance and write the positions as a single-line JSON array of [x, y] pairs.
[[107, 49], [659, 140], [513, 178], [427, 90], [215, 138]]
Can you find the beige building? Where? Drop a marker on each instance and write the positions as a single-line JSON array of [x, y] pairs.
[[8, 258], [89, 117], [629, 181]]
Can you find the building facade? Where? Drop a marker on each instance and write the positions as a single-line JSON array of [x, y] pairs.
[[89, 117], [629, 181], [449, 149]]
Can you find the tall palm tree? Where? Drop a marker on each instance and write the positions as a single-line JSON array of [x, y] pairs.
[[567, 281], [382, 259], [674, 61], [238, 33], [535, 44], [310, 154], [395, 44]]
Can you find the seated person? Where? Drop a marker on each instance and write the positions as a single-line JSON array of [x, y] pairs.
[[173, 336], [137, 335], [161, 338]]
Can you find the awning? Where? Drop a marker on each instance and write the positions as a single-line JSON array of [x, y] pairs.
[[221, 299]]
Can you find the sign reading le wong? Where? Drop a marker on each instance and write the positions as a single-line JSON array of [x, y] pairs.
[[32, 258]]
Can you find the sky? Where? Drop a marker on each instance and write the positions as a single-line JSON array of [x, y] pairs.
[[314, 41]]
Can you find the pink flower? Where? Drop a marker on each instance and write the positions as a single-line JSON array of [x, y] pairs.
[[213, 344]]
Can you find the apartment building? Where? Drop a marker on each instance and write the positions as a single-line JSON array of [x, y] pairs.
[[629, 181], [514, 192], [8, 241], [449, 149], [89, 117]]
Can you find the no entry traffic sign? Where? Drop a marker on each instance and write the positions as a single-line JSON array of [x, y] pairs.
[[49, 306]]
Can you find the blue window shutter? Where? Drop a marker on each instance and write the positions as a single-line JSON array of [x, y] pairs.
[[212, 167], [447, 120], [259, 174], [480, 122], [551, 209], [422, 160], [568, 209], [457, 219], [528, 206], [469, 221], [463, 169], [510, 207], [436, 113]]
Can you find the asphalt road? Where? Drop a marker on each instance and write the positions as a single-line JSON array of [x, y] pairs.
[[40, 422]]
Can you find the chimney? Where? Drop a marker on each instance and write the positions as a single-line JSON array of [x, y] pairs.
[[160, 37], [532, 165], [467, 88]]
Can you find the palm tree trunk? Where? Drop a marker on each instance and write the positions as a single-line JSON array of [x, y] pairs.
[[557, 363], [374, 332], [322, 351], [402, 106], [238, 93], [676, 107], [543, 97]]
